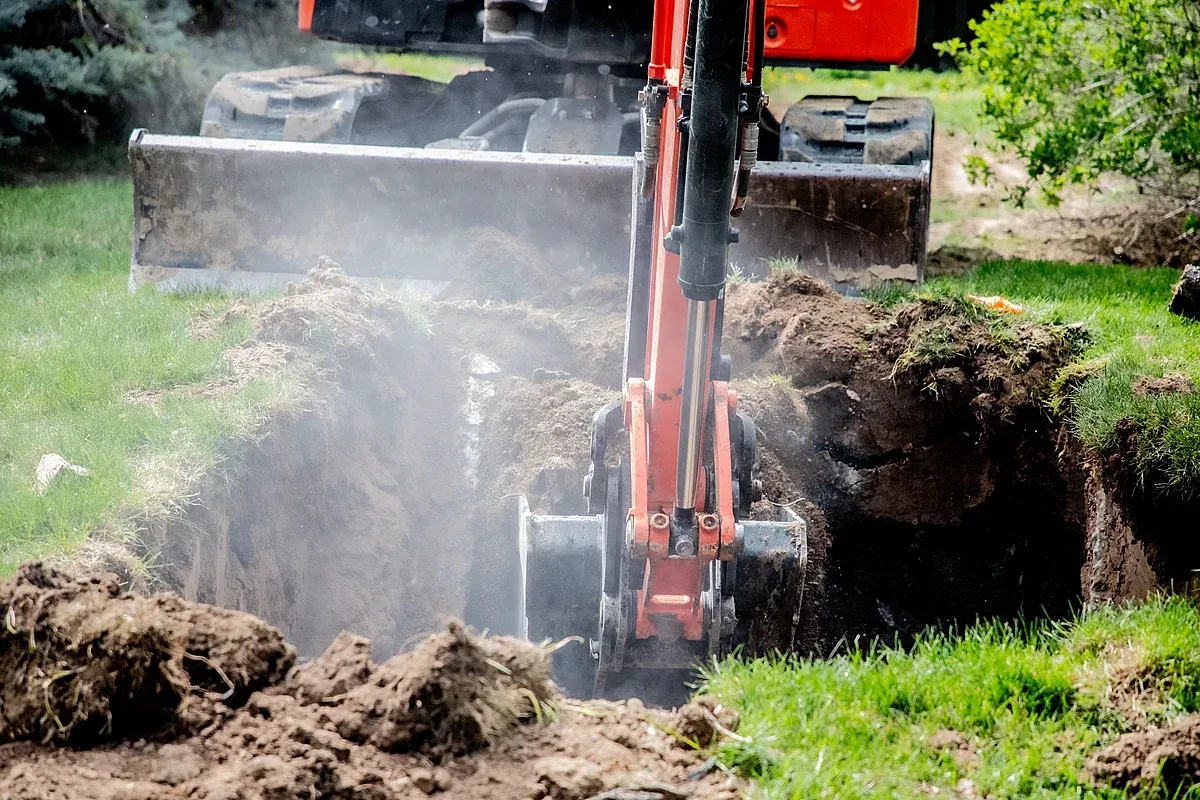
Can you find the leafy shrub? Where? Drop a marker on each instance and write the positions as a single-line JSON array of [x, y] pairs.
[[1078, 88]]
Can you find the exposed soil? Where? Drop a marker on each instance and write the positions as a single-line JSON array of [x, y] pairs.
[[83, 660], [536, 444], [974, 223], [324, 522], [916, 431], [1168, 756], [163, 698], [915, 441], [1171, 383], [1138, 540]]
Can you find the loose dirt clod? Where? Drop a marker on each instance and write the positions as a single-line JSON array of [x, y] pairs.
[[344, 666], [458, 717], [81, 660], [1142, 758], [455, 693], [1171, 383], [955, 745], [704, 721]]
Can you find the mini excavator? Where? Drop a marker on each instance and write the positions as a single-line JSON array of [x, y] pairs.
[[668, 569], [559, 142]]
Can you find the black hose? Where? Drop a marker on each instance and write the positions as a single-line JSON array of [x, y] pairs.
[[523, 105], [712, 147]]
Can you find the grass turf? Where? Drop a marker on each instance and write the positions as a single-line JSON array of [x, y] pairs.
[[1033, 703], [74, 345], [1132, 334], [440, 68]]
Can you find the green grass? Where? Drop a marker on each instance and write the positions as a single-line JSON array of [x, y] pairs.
[[1132, 334], [1033, 702], [438, 68], [73, 345], [956, 102]]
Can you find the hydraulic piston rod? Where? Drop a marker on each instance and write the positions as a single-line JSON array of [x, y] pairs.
[[691, 417], [705, 233]]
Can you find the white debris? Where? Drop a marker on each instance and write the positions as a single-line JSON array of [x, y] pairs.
[[51, 466], [481, 365], [481, 388]]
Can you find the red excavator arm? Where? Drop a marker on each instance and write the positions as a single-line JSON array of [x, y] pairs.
[[669, 570]]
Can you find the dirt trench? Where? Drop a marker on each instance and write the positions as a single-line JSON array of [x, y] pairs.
[[916, 440], [921, 433], [366, 510]]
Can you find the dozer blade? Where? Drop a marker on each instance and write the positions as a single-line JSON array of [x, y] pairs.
[[246, 214]]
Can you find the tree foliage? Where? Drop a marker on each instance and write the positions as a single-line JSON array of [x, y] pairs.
[[1083, 87], [73, 69]]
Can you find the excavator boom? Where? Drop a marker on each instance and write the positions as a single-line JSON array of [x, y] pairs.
[[668, 553]]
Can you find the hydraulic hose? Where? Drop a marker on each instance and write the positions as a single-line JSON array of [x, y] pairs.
[[523, 105]]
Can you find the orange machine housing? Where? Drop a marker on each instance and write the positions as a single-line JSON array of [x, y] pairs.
[[840, 31], [849, 32]]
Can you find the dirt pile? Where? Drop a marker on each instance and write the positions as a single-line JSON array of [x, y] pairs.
[[1169, 757], [82, 660], [455, 693], [917, 429], [459, 716]]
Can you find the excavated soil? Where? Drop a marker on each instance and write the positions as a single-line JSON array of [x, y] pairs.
[[324, 522], [1139, 538], [916, 441], [917, 431], [906, 437], [161, 698], [368, 509], [1168, 757]]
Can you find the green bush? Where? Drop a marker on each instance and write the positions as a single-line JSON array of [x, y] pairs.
[[1078, 88], [74, 70]]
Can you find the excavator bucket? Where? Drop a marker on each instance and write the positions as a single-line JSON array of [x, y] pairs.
[[755, 601], [246, 214]]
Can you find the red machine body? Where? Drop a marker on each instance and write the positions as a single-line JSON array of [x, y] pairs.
[[866, 32], [851, 32]]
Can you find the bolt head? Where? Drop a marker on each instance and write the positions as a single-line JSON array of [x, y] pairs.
[[684, 547]]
